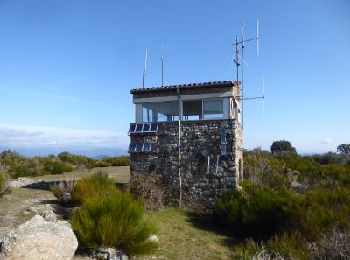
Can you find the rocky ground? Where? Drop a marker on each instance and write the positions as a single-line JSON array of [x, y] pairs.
[[20, 204], [30, 196]]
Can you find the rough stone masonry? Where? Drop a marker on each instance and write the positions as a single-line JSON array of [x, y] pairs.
[[205, 173], [209, 157]]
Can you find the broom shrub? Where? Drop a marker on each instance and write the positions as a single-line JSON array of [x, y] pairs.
[[109, 217]]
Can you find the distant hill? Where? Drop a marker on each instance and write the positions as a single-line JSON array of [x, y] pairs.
[[90, 152]]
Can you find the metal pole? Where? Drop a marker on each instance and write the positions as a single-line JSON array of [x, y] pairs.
[[162, 68], [242, 94], [179, 150]]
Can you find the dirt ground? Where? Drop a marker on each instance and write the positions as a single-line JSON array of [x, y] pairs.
[[16, 206]]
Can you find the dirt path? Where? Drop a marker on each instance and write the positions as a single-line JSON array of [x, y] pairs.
[[15, 207]]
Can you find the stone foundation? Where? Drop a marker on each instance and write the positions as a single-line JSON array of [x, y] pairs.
[[205, 168]]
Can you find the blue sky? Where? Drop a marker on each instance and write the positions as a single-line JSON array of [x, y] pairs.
[[66, 68]]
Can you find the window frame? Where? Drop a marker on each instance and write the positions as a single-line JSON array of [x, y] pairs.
[[222, 105]]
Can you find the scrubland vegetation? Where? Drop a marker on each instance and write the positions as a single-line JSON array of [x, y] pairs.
[[290, 206], [17, 165], [108, 217], [3, 182]]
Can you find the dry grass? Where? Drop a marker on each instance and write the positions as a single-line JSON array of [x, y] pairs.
[[180, 239], [121, 174]]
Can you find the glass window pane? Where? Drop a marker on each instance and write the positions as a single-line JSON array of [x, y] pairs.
[[192, 110], [147, 114], [160, 111], [213, 109]]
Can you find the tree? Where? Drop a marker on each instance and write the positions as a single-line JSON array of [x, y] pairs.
[[344, 149], [282, 146]]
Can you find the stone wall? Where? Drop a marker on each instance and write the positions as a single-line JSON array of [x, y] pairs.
[[204, 171]]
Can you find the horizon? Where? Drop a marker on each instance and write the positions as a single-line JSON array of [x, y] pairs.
[[66, 69]]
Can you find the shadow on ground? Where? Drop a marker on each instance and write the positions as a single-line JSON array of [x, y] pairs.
[[205, 221]]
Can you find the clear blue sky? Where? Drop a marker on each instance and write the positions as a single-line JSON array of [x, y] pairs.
[[66, 67]]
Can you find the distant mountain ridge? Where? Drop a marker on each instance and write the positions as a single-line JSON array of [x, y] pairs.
[[44, 151]]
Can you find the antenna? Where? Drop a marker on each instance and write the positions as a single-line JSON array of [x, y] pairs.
[[257, 37], [162, 60], [144, 71], [263, 98], [238, 59], [242, 81]]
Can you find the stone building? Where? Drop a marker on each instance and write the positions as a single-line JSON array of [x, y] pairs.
[[191, 134]]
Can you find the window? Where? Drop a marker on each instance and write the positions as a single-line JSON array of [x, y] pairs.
[[192, 110], [213, 109], [160, 111]]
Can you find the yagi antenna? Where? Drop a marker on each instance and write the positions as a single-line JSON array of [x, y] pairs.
[[238, 59], [144, 71]]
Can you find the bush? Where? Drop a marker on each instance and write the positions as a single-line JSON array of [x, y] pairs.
[[282, 146], [114, 220], [148, 187], [63, 191], [321, 210], [283, 246], [333, 245], [113, 161], [255, 212], [54, 166], [79, 161], [3, 182], [97, 185]]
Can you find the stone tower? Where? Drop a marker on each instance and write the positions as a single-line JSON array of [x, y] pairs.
[[191, 134]]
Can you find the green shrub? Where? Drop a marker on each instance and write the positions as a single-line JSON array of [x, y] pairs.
[[321, 210], [114, 220], [97, 185], [256, 211], [54, 166], [3, 182], [56, 191], [113, 161], [79, 161]]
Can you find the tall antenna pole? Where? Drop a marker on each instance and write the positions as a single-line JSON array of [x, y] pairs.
[[242, 93], [239, 50], [144, 71], [162, 59], [257, 37]]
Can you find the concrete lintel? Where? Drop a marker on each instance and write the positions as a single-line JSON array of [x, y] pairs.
[[182, 97]]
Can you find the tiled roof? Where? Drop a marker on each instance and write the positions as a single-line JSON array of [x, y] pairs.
[[225, 83]]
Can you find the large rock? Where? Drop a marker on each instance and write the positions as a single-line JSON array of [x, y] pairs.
[[40, 239]]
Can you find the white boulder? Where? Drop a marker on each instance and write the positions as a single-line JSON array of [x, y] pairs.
[[40, 239]]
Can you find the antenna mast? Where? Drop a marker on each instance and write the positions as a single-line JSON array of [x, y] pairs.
[[162, 60], [239, 51], [144, 71]]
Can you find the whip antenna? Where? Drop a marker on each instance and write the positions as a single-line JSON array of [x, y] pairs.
[[162, 61], [144, 71], [257, 37]]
